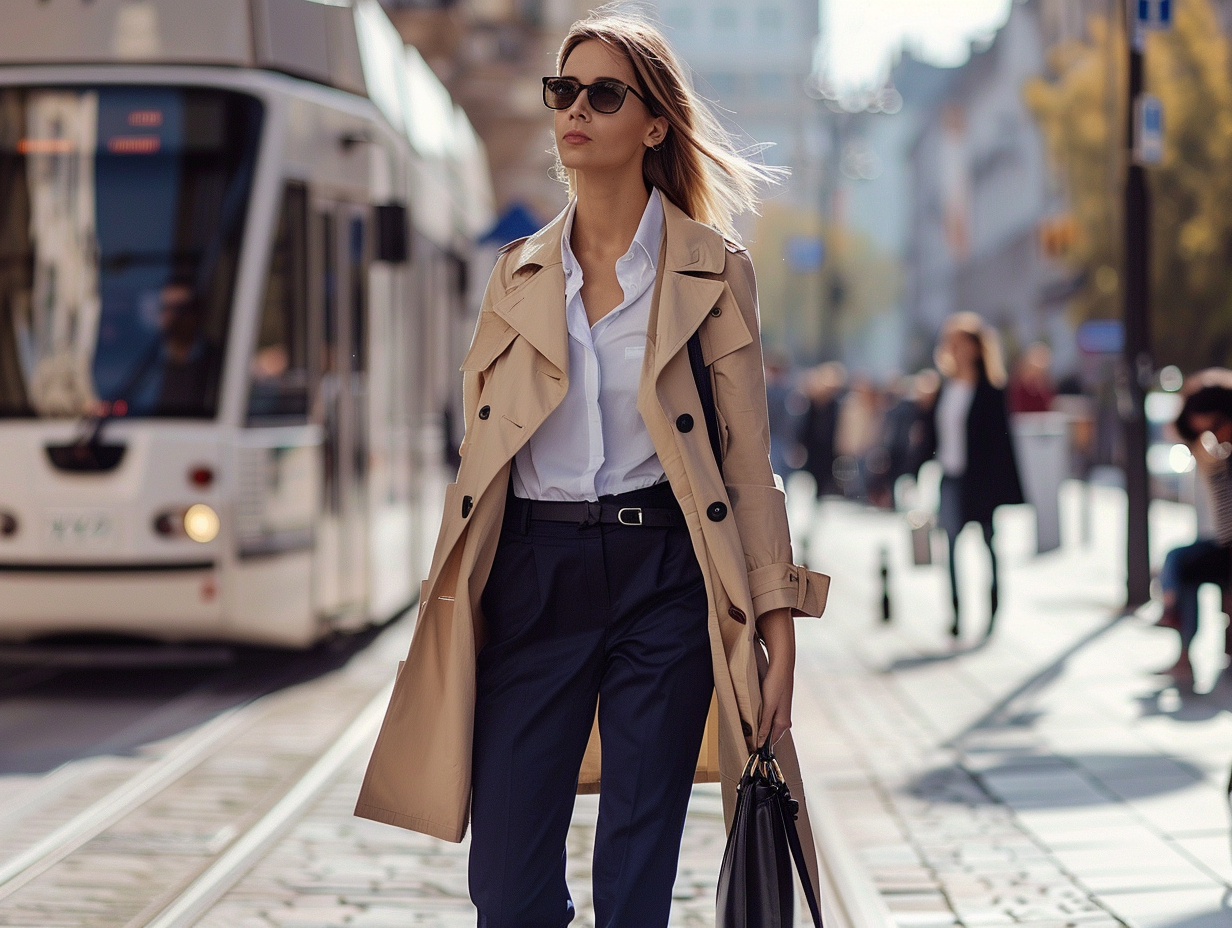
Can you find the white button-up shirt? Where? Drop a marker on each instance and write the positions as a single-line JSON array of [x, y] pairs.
[[595, 442]]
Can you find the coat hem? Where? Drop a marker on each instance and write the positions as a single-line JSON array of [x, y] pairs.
[[413, 823]]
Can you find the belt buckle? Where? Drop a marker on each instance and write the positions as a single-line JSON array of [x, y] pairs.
[[620, 516]]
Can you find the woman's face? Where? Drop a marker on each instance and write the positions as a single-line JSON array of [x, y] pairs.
[[606, 142], [963, 348]]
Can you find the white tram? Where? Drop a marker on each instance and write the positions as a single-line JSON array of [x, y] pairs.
[[235, 246]]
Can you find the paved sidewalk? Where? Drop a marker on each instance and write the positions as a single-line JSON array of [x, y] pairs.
[[1047, 778]]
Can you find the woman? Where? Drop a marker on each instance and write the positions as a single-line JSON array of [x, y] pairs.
[[970, 437], [598, 578]]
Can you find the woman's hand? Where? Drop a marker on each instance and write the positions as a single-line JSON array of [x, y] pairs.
[[778, 629]]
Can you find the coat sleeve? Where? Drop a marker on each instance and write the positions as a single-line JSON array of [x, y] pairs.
[[758, 505]]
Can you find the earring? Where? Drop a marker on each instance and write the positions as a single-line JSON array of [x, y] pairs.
[[658, 147]]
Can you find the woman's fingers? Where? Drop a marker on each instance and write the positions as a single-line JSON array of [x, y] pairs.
[[775, 710]]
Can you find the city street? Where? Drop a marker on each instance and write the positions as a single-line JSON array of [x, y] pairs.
[[1048, 777]]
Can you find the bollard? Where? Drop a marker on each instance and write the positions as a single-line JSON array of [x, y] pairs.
[[885, 584]]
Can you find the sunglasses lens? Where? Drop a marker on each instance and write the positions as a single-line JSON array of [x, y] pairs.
[[560, 94], [606, 97]]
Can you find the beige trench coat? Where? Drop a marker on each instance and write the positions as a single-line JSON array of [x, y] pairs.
[[419, 776]]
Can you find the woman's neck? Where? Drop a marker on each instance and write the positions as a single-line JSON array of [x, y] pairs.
[[969, 376], [609, 210]]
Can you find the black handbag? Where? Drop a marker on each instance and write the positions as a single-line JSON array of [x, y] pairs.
[[755, 882]]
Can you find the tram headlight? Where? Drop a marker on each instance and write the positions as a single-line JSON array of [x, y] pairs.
[[201, 523]]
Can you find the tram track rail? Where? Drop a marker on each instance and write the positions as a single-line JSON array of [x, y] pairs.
[[189, 823], [37, 859]]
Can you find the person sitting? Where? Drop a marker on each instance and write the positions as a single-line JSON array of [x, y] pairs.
[[1205, 424]]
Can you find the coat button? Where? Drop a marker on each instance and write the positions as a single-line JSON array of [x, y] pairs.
[[747, 729], [467, 505], [737, 615], [685, 423], [485, 411], [716, 512], [716, 311]]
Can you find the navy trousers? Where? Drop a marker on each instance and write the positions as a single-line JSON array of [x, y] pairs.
[[578, 615]]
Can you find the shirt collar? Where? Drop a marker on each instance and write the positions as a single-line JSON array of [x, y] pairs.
[[647, 239]]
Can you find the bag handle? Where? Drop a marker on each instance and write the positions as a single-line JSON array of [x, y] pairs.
[[788, 806], [705, 392]]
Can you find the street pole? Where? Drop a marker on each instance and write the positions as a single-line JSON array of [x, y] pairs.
[[1138, 368]]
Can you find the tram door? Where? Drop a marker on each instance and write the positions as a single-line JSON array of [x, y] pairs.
[[342, 237]]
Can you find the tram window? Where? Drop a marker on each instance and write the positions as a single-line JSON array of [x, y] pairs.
[[122, 211], [279, 367]]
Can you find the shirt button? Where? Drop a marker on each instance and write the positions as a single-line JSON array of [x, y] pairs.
[[737, 614], [716, 512], [685, 423], [485, 411]]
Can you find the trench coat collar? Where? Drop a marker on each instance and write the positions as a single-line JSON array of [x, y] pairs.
[[535, 305]]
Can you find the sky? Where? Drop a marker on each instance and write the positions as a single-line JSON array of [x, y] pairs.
[[861, 36]]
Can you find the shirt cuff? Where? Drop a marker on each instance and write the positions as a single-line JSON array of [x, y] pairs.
[[788, 586]]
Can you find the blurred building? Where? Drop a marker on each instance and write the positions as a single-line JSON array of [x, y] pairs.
[[491, 55], [754, 59], [982, 189]]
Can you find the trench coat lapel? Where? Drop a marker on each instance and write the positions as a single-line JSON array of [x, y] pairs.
[[535, 307], [691, 249]]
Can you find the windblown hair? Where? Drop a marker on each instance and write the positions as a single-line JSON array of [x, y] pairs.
[[992, 362], [697, 166]]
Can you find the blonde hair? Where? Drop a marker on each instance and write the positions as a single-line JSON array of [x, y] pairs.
[[992, 361], [697, 166]]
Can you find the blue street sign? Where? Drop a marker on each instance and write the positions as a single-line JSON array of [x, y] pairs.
[[1154, 14], [1148, 130], [1101, 336], [805, 254]]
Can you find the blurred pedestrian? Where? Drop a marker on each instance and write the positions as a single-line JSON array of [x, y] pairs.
[[1205, 424], [857, 435], [970, 437], [906, 423], [823, 387], [783, 406], [1032, 388]]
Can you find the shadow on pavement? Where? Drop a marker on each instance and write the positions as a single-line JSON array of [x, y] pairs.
[[939, 657], [1179, 702], [1220, 918], [1057, 782], [53, 711]]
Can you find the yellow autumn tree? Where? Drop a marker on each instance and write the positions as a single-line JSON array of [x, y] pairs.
[[1080, 109], [812, 314]]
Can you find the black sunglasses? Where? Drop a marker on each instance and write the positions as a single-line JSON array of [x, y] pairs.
[[605, 96]]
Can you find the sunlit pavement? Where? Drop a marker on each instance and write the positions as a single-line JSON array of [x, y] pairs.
[[1048, 777]]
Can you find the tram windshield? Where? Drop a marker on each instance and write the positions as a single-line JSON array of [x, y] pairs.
[[121, 215]]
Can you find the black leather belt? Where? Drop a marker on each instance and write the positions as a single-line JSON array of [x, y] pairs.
[[594, 513]]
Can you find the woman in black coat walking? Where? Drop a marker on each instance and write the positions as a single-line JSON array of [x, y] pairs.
[[970, 437]]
